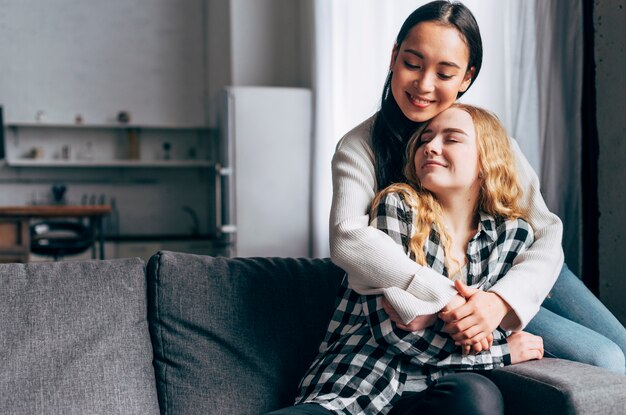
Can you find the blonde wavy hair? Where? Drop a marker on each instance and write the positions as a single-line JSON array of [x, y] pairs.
[[499, 193]]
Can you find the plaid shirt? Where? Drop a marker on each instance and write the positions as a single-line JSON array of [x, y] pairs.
[[364, 360]]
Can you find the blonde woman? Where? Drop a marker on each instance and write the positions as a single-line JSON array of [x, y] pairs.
[[457, 214]]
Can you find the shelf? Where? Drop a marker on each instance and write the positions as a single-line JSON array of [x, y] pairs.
[[111, 163], [105, 126]]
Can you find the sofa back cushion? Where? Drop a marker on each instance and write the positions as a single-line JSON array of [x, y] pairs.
[[234, 336], [74, 339]]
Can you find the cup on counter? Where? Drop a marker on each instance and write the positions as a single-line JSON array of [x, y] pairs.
[[34, 153], [66, 152]]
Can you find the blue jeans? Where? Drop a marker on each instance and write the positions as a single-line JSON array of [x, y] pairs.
[[575, 325]]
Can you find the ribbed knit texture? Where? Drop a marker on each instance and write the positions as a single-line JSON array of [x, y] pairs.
[[376, 264]]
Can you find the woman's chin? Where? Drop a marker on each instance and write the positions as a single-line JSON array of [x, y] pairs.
[[418, 114]]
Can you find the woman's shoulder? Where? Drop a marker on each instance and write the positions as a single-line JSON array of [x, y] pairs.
[[396, 197], [359, 137]]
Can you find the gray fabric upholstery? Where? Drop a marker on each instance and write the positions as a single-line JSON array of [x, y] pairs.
[[234, 336], [553, 386], [74, 339], [230, 336]]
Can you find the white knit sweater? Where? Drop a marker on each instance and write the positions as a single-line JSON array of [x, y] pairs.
[[376, 264]]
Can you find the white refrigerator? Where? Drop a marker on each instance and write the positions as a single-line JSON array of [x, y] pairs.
[[263, 177]]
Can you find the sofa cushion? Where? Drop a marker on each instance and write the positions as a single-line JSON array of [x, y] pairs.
[[74, 339], [234, 336], [554, 386]]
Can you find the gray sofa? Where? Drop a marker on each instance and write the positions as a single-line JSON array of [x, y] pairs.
[[202, 335]]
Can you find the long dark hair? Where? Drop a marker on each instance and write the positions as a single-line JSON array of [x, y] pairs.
[[392, 130]]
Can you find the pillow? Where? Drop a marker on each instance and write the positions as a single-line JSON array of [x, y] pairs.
[[74, 339], [235, 336]]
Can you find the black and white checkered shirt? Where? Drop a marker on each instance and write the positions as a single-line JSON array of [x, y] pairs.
[[365, 360]]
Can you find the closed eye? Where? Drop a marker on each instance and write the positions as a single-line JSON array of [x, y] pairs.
[[425, 139], [454, 139], [411, 66]]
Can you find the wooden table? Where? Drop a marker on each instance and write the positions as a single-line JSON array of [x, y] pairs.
[[15, 226]]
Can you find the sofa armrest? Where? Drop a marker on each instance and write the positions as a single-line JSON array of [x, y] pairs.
[[555, 386]]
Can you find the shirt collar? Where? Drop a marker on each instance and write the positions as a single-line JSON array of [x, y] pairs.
[[488, 226]]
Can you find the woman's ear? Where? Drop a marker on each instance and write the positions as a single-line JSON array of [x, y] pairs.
[[467, 79], [394, 56]]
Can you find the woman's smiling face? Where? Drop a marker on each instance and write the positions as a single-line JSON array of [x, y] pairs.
[[447, 158], [429, 70]]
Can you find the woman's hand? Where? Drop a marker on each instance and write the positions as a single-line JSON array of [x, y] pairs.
[[481, 346], [485, 344], [419, 323], [524, 346], [423, 322], [474, 321], [456, 302]]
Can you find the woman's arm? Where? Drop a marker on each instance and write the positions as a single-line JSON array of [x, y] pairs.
[[430, 346], [373, 261], [535, 270], [434, 348]]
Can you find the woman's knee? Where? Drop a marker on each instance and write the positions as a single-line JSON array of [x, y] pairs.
[[609, 356], [597, 351]]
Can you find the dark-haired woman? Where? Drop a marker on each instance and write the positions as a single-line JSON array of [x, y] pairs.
[[437, 56]]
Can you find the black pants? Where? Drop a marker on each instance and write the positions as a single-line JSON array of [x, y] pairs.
[[460, 393]]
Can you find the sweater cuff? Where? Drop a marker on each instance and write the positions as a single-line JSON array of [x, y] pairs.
[[427, 293], [521, 312], [430, 286]]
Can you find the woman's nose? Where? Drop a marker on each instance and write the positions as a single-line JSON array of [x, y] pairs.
[[424, 82], [432, 147]]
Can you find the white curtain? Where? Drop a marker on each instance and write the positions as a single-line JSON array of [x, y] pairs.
[[531, 78], [353, 43], [543, 66]]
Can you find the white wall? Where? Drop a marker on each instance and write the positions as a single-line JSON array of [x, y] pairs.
[[218, 73], [98, 58], [610, 56], [257, 43], [271, 42]]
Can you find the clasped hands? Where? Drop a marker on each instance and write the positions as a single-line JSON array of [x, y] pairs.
[[470, 319]]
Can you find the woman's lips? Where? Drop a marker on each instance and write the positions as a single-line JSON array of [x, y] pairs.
[[418, 101], [434, 163]]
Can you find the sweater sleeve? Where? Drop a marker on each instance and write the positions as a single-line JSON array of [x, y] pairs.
[[373, 261], [535, 270], [431, 347]]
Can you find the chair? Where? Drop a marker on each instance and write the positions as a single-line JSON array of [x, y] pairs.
[[60, 238]]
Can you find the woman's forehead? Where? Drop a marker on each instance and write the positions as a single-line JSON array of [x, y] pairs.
[[437, 42], [451, 117]]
